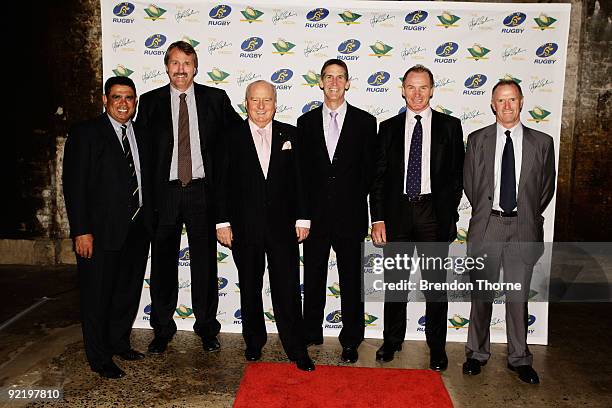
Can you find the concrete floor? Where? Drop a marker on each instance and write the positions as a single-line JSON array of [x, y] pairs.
[[44, 348]]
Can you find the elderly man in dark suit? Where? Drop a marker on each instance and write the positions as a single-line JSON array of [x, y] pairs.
[[509, 179], [262, 215], [105, 181], [185, 124], [337, 140], [417, 191]]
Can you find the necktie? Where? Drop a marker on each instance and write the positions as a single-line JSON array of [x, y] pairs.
[[184, 144], [507, 189], [333, 135], [263, 151], [133, 183], [413, 171]]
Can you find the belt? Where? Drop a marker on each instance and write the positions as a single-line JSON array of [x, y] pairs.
[[418, 199], [504, 214], [191, 183]]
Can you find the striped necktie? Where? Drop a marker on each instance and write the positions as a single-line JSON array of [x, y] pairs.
[[133, 183]]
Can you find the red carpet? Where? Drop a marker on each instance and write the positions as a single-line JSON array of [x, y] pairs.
[[273, 385]]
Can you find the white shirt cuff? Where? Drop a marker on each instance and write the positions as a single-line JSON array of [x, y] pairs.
[[223, 225], [302, 223]]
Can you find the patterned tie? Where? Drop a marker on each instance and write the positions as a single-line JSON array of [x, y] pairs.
[[413, 171], [264, 151], [184, 144], [507, 189], [134, 198], [333, 135]]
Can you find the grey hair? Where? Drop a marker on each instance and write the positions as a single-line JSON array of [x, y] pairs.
[[259, 81]]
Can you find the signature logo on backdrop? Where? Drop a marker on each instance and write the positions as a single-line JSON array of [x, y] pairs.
[[154, 12]]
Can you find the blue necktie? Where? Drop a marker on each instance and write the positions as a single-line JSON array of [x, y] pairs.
[[507, 189], [413, 171]]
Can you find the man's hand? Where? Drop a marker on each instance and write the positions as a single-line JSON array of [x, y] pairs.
[[225, 236], [379, 233], [83, 245], [302, 233]]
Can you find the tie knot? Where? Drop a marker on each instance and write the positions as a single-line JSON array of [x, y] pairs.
[[333, 114], [417, 117], [261, 132], [123, 129], [182, 96], [507, 133]]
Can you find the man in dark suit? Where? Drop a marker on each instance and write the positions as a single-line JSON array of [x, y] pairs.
[[337, 140], [509, 179], [185, 124], [262, 214], [417, 191], [105, 182]]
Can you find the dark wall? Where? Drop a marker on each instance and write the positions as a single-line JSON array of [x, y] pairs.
[[67, 74]]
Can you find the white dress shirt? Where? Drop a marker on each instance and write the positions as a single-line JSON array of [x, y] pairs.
[[426, 147], [133, 147], [197, 163], [516, 134]]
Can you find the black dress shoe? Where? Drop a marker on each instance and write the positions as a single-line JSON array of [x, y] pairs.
[[211, 344], [438, 361], [131, 355], [526, 373], [158, 345], [386, 352], [316, 342], [110, 370], [349, 354], [305, 364], [472, 366], [252, 354]]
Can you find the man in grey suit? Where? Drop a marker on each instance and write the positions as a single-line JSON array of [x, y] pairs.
[[509, 179]]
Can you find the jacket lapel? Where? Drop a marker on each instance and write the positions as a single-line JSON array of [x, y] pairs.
[[275, 149], [399, 143], [437, 134], [201, 104], [527, 159], [113, 139], [319, 133], [489, 157]]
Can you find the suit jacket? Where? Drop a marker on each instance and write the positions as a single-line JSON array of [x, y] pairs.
[[446, 164], [337, 190], [215, 117], [96, 181], [536, 183], [252, 203]]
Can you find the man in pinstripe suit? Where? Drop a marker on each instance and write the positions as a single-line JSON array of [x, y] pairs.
[[509, 179]]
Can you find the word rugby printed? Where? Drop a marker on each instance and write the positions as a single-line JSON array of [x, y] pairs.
[[468, 46]]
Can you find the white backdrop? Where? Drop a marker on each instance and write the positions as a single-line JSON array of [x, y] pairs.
[[468, 46]]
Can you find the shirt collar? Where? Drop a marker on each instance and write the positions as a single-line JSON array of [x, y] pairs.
[[425, 114], [341, 109], [176, 93], [501, 130], [117, 125], [254, 127]]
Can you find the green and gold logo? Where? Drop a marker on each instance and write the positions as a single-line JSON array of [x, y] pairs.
[[348, 18], [123, 71], [538, 114], [270, 315], [369, 319], [448, 20], [334, 289], [380, 49], [190, 41], [242, 108], [509, 77], [458, 322], [282, 47], [154, 12], [461, 236], [478, 52], [544, 22], [184, 312], [251, 15], [221, 256], [217, 77], [312, 78], [442, 109]]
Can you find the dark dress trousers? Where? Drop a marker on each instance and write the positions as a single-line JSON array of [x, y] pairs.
[[192, 205], [431, 220], [262, 213], [337, 193], [96, 182]]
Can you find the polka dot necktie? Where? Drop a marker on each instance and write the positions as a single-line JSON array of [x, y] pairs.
[[413, 171]]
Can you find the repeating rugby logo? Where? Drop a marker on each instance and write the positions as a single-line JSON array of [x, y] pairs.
[[334, 317], [515, 19], [155, 41], [251, 44], [251, 15], [220, 12], [281, 76], [317, 14], [221, 282], [123, 9], [349, 17], [473, 82], [448, 20], [154, 12], [349, 46], [544, 22], [416, 17], [378, 78], [447, 49], [282, 47], [311, 105], [547, 50]]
